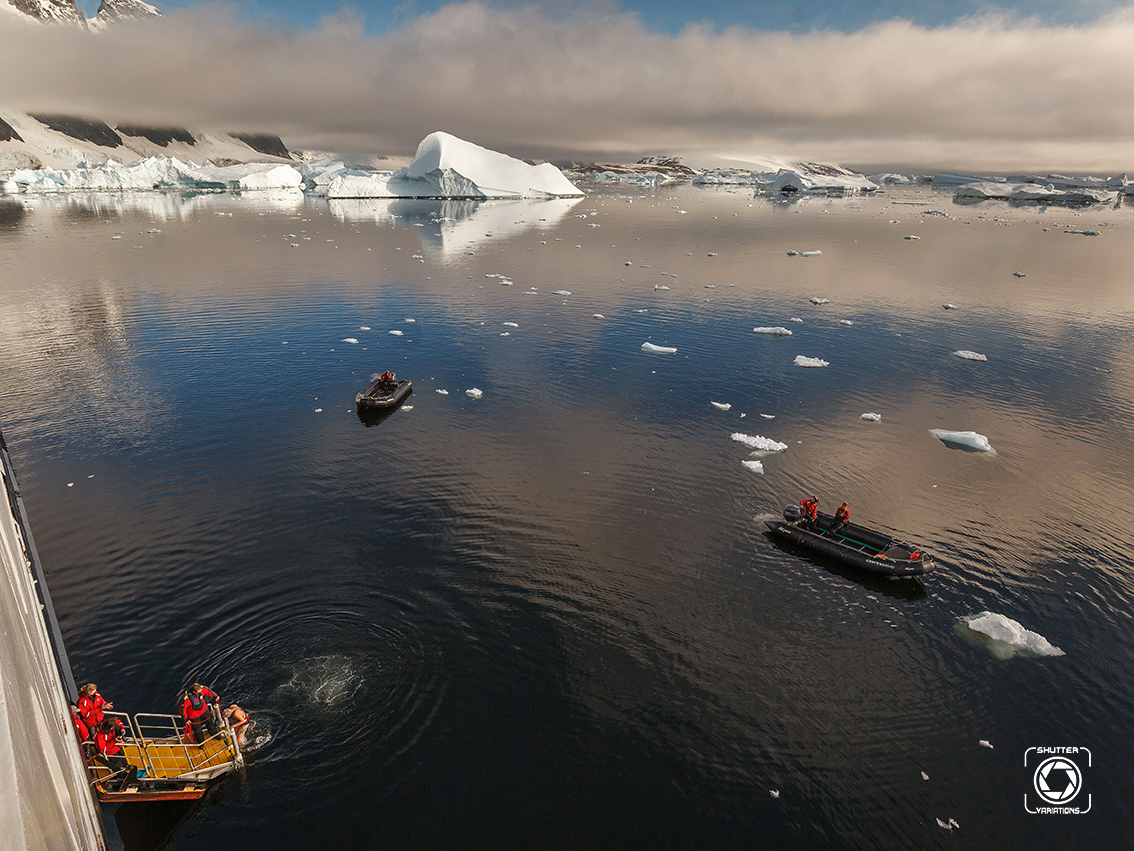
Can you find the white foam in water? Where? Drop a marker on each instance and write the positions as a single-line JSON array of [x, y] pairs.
[[967, 355], [777, 331], [811, 363], [661, 350], [760, 444], [474, 393], [963, 439], [1005, 638], [724, 406], [754, 466], [819, 300], [873, 418]]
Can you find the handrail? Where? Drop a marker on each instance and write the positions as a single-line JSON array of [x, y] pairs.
[[151, 729]]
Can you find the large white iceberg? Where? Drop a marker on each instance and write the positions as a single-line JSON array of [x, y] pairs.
[[448, 167], [1047, 194], [1004, 637], [792, 180], [157, 173], [810, 363]]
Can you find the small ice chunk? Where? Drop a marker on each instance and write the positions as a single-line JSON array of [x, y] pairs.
[[723, 406], [795, 319], [627, 263], [660, 287], [792, 253], [812, 363], [349, 340], [363, 327], [872, 418], [924, 776], [409, 320], [949, 306], [777, 331], [712, 254], [775, 793], [969, 441], [597, 316], [768, 416], [406, 408], [819, 300], [845, 322], [395, 333], [754, 466], [815, 253], [965, 354], [154, 230], [443, 392], [511, 325], [1083, 232], [474, 393], [1005, 638], [1020, 274], [505, 333], [911, 236], [561, 292], [948, 825], [759, 443], [661, 350], [985, 743]]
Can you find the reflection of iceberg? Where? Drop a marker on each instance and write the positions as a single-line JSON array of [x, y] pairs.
[[448, 167], [1004, 637], [168, 205], [456, 225]]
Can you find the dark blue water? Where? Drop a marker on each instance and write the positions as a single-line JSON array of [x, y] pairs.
[[548, 617]]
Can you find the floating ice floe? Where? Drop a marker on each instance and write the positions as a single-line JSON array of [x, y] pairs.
[[660, 287], [448, 167], [395, 333], [561, 292], [511, 325], [833, 179], [949, 306], [1005, 638], [965, 354], [1083, 232], [723, 406], [871, 418], [474, 392], [845, 322], [985, 743], [778, 331], [811, 363], [754, 466], [443, 392], [812, 253], [768, 416], [911, 236], [968, 441], [661, 350], [795, 319], [819, 300], [1020, 274], [349, 340], [948, 825], [924, 776], [597, 316], [758, 443]]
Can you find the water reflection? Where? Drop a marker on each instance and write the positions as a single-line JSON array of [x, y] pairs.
[[455, 227]]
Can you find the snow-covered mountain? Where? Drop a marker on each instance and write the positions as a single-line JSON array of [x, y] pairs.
[[113, 11], [51, 11], [68, 12]]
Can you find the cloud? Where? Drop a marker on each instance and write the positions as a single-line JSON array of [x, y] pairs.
[[988, 92]]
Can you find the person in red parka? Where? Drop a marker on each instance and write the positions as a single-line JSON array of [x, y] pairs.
[[197, 708], [109, 752], [91, 706], [842, 516]]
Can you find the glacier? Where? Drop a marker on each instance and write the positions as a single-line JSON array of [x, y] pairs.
[[156, 173]]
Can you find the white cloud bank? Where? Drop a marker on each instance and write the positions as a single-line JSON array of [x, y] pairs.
[[988, 93]]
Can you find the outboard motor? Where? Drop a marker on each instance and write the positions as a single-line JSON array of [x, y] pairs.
[[792, 513]]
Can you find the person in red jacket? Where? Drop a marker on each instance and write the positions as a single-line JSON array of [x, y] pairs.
[[110, 753], [91, 706], [197, 708], [842, 516], [810, 510]]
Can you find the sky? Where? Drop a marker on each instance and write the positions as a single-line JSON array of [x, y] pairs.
[[889, 84]]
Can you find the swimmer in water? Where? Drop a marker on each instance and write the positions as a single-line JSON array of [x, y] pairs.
[[238, 722]]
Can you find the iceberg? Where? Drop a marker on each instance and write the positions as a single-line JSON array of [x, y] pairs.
[[157, 173], [812, 363], [760, 444], [778, 331], [1005, 638], [968, 441], [721, 406], [754, 466], [474, 392], [965, 354], [448, 167], [1046, 194], [792, 180], [661, 350], [871, 418], [819, 300]]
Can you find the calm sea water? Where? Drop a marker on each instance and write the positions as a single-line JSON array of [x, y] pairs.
[[549, 618]]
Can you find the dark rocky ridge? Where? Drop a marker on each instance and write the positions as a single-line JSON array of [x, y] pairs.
[[95, 132], [161, 136], [8, 132], [264, 143]]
